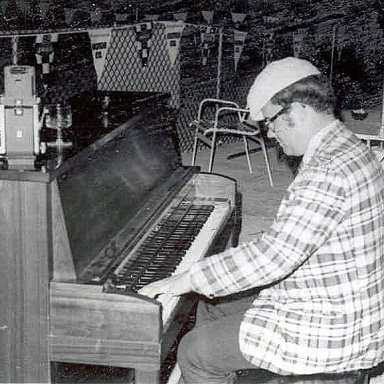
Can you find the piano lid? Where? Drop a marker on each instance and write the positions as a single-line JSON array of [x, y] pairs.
[[115, 182]]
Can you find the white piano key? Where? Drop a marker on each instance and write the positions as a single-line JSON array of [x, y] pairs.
[[196, 252]]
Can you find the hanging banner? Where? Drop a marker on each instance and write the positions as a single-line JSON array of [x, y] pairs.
[[271, 20], [143, 36], [15, 49], [239, 39], [208, 16], [173, 33], [372, 39], [4, 6], [324, 31], [43, 9], [122, 17], [207, 39], [45, 53], [96, 15], [180, 16], [100, 39], [47, 37], [151, 17], [69, 14], [341, 40], [268, 47], [23, 6], [297, 41], [238, 18]]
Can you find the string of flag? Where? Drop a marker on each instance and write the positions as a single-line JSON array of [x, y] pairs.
[[100, 39]]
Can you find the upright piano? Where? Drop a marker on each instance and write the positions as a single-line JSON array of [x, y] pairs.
[[78, 241]]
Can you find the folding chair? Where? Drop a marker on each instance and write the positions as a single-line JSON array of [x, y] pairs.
[[217, 116], [376, 143]]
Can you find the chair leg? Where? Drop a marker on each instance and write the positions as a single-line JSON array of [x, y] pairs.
[[363, 378], [247, 154], [194, 151], [212, 155], [266, 161]]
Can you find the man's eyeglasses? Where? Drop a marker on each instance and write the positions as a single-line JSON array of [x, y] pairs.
[[270, 120]]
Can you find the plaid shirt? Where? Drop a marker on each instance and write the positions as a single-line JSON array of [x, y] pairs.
[[322, 262]]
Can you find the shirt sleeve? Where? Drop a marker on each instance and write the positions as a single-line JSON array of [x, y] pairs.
[[313, 207]]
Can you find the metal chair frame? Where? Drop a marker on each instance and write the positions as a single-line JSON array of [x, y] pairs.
[[241, 126], [370, 140]]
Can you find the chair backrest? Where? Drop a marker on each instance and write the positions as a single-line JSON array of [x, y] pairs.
[[242, 113], [214, 103], [219, 111], [376, 143]]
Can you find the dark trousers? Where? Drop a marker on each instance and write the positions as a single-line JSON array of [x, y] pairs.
[[210, 352]]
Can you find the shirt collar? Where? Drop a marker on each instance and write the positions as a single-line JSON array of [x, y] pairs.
[[316, 140]]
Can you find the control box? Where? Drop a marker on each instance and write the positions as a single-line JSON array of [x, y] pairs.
[[19, 117], [19, 82]]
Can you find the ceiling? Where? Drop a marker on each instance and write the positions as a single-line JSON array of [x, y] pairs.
[[23, 14]]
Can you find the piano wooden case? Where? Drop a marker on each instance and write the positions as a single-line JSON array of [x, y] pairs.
[[78, 242]]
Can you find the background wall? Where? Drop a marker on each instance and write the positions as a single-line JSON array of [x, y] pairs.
[[344, 38]]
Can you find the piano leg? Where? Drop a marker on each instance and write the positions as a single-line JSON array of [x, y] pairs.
[[147, 377], [24, 276]]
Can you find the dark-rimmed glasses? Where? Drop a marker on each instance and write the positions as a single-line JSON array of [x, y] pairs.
[[268, 121]]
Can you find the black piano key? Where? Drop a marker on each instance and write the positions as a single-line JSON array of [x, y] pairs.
[[164, 248]]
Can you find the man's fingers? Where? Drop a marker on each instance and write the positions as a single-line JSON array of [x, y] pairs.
[[147, 292], [151, 290], [172, 286]]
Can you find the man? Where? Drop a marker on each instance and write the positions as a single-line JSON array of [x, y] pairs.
[[319, 267]]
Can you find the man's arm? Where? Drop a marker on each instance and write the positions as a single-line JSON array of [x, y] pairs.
[[305, 220], [307, 217]]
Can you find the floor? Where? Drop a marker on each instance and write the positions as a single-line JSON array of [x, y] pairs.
[[259, 200]]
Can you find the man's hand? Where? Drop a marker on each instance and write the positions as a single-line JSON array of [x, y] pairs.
[[174, 286]]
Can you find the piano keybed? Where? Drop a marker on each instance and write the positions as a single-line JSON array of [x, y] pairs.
[[162, 250]]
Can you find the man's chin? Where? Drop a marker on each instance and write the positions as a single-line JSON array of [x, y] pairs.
[[286, 151], [283, 151], [289, 152]]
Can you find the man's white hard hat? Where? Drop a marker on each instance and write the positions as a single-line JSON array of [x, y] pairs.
[[276, 76]]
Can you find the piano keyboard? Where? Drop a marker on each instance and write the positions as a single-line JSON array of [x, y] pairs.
[[163, 249], [182, 237]]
